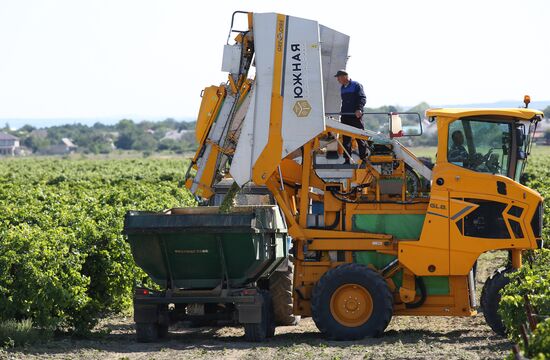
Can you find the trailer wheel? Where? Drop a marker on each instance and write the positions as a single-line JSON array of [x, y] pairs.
[[490, 298], [351, 302], [257, 332], [281, 288], [147, 332]]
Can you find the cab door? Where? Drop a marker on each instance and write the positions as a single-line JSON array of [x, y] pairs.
[[485, 206]]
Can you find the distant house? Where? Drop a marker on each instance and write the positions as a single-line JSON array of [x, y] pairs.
[[39, 133], [178, 135], [9, 144], [65, 147]]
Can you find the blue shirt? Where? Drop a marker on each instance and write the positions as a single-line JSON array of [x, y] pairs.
[[353, 97]]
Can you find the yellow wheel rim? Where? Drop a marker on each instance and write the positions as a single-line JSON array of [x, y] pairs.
[[351, 305]]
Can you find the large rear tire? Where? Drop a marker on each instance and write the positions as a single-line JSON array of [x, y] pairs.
[[490, 299], [351, 302], [281, 288], [258, 332]]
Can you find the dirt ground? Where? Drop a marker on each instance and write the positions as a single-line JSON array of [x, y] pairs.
[[405, 338]]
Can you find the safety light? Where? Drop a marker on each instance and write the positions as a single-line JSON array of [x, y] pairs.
[[142, 292]]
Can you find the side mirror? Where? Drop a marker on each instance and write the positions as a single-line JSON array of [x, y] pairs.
[[520, 137], [405, 124]]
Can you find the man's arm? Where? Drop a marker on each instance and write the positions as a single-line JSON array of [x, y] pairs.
[[457, 154], [362, 97]]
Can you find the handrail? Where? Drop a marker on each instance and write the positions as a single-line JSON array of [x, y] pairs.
[[232, 22]]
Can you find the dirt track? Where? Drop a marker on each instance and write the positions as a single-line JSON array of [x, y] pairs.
[[405, 338]]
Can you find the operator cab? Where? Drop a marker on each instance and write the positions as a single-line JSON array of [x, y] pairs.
[[494, 141], [490, 144]]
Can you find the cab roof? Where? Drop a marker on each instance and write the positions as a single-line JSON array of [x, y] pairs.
[[521, 113]]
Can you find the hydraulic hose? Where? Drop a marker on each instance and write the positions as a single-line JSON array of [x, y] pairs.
[[423, 294]]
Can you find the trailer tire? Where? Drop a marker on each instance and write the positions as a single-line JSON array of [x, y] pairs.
[[490, 299], [147, 332], [281, 289], [351, 302], [258, 332]]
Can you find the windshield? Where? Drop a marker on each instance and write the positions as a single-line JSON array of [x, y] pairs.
[[480, 145], [525, 129]]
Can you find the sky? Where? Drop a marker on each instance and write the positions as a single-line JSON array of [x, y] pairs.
[[150, 59]]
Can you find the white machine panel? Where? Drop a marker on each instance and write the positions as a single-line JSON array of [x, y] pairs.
[[303, 107], [231, 58], [241, 166], [334, 56], [255, 128], [307, 48]]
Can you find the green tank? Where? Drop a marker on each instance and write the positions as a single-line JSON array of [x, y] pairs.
[[199, 248]]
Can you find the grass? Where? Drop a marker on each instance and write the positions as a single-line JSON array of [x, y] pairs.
[[18, 333]]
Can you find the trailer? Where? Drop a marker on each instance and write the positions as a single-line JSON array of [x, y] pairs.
[[209, 267]]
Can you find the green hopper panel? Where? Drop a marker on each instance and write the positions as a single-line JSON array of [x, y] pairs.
[[401, 226], [435, 285]]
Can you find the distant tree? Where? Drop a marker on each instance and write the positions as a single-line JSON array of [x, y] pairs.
[[100, 126], [146, 125], [420, 108], [126, 135], [547, 112], [145, 142], [126, 140], [172, 145], [37, 144], [27, 128], [125, 125], [100, 148]]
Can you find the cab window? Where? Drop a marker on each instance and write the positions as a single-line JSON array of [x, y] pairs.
[[482, 146]]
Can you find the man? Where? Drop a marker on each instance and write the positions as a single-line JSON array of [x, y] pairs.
[[353, 102], [457, 152]]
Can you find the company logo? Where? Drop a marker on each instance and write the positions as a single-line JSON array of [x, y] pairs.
[[296, 66], [302, 108], [280, 34], [438, 206], [191, 251]]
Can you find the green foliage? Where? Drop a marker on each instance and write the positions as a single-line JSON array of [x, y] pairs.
[[17, 333], [539, 342], [63, 259], [101, 139], [533, 280], [537, 176], [36, 143]]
